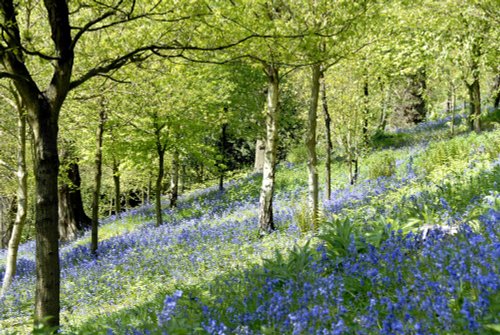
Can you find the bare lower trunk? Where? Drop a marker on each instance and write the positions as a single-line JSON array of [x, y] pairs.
[[159, 185], [97, 183], [266, 223], [353, 170], [116, 182], [475, 89], [312, 161], [72, 217], [366, 111], [174, 180], [260, 148], [7, 208], [475, 105], [22, 203], [47, 295], [450, 106], [328, 136], [496, 91], [383, 115], [223, 152], [183, 178]]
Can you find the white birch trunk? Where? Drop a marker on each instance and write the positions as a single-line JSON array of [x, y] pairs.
[[266, 223]]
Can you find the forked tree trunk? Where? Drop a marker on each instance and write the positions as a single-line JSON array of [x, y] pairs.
[[97, 182], [312, 161], [328, 137], [22, 203], [174, 179], [266, 223]]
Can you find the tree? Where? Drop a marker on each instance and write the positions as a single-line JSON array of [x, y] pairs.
[[22, 196], [55, 50], [72, 217]]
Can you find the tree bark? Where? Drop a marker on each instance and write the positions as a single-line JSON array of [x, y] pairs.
[[266, 223], [174, 179], [72, 217], [416, 110], [160, 151], [223, 152], [328, 136], [312, 160], [22, 203], [474, 88], [366, 111], [97, 182], [496, 92], [6, 220], [116, 182], [260, 148], [383, 115], [47, 296], [43, 109]]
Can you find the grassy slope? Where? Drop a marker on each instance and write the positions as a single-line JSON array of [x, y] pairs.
[[209, 248]]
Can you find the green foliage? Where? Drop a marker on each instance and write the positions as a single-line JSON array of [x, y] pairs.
[[289, 265], [297, 154], [382, 164], [453, 156], [382, 140], [341, 237], [491, 120]]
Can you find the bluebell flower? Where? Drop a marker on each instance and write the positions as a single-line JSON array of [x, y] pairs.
[[169, 305]]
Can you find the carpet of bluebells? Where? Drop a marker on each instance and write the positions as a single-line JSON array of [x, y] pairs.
[[207, 271]]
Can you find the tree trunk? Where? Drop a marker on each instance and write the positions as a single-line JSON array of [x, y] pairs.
[[496, 92], [43, 120], [450, 106], [475, 89], [22, 203], [72, 218], [266, 223], [223, 152], [6, 222], [160, 151], [260, 148], [328, 136], [416, 111], [150, 187], [183, 178], [116, 182], [97, 182], [474, 105], [174, 179], [383, 115], [312, 161], [366, 111]]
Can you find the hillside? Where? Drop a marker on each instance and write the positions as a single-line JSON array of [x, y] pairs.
[[378, 265]]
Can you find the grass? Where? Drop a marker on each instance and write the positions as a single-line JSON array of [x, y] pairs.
[[368, 271]]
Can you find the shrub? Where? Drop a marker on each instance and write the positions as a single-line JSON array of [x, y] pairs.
[[382, 164]]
